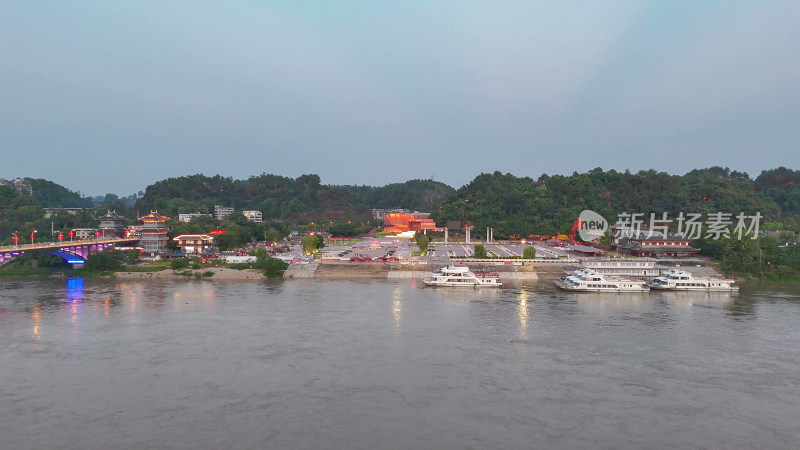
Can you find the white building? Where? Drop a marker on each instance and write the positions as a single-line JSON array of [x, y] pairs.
[[188, 217], [253, 216], [221, 212]]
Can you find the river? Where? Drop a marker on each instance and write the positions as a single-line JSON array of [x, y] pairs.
[[388, 364]]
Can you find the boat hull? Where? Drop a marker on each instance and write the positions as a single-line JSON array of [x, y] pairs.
[[565, 287], [459, 284], [695, 289]]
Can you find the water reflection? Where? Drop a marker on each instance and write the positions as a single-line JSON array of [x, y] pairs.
[[522, 312], [397, 307], [195, 293], [696, 298], [741, 308], [36, 319], [75, 297], [75, 293]]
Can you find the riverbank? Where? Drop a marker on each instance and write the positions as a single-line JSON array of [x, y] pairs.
[[210, 273], [347, 271]]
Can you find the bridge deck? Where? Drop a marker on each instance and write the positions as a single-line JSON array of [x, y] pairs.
[[64, 244]]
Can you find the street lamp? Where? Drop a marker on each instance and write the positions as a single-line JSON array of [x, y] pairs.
[[15, 238], [71, 233], [60, 236], [33, 234]]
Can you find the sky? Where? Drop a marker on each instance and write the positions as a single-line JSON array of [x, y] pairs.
[[109, 97]]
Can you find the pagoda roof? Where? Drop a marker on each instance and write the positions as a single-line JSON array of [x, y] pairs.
[[194, 237], [154, 216], [111, 215]]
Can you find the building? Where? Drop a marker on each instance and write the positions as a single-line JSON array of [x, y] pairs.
[[654, 246], [49, 212], [153, 233], [221, 212], [401, 222], [253, 216], [188, 217], [84, 233], [112, 225], [192, 244], [585, 250]]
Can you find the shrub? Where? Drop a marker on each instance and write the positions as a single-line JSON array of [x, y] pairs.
[[177, 264]]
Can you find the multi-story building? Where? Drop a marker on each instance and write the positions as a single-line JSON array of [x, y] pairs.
[[221, 212], [153, 237], [112, 225], [253, 216], [195, 243], [84, 233], [188, 217]]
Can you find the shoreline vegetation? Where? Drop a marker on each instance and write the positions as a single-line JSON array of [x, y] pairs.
[[125, 265], [206, 273]]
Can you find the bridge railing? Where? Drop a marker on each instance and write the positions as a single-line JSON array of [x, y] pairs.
[[63, 244]]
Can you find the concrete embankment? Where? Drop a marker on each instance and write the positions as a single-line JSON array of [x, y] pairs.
[[344, 271], [301, 270]]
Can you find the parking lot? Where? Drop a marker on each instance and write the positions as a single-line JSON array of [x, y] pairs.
[[372, 249], [499, 250]]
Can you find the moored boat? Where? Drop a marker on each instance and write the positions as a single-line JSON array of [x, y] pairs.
[[680, 280], [455, 276], [587, 280]]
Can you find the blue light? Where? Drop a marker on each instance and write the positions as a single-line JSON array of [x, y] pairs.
[[75, 290]]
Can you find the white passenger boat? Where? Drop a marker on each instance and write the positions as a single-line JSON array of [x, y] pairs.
[[587, 280], [680, 280], [637, 267], [462, 276]]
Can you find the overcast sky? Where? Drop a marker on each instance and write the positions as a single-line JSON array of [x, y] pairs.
[[112, 96]]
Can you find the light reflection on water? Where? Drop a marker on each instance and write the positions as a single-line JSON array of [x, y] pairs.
[[377, 364]]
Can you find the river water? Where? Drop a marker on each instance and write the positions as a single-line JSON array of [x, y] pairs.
[[388, 364]]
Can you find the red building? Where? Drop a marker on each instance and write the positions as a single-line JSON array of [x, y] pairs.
[[401, 222]]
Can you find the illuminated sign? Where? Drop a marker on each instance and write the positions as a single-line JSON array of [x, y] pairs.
[[216, 232]]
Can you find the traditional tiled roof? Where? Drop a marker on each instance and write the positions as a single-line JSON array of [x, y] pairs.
[[193, 237], [154, 216], [111, 215], [660, 248]]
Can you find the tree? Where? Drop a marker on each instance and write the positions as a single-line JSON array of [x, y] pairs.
[[606, 239], [309, 244], [103, 260], [272, 267], [529, 252], [422, 243], [480, 252]]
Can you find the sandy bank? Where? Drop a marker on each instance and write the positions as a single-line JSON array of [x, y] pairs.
[[220, 273]]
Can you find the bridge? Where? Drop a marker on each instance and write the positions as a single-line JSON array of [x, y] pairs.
[[74, 252]]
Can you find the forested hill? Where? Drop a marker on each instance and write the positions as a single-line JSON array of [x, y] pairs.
[[51, 195], [418, 195], [280, 197], [275, 196], [514, 205], [783, 186]]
